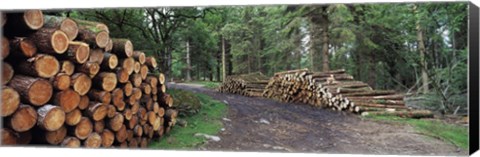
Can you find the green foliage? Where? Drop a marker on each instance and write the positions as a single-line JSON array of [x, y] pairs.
[[208, 84], [457, 135], [207, 121], [186, 102]]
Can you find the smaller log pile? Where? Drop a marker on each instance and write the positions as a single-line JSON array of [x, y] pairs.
[[339, 91], [251, 84], [66, 82]]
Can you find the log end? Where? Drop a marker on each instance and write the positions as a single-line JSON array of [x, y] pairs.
[[47, 66], [40, 92], [5, 47], [59, 41], [33, 19], [102, 38], [70, 28], [10, 101]]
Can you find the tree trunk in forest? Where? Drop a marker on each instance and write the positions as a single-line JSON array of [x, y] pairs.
[[189, 78], [422, 51], [325, 58], [224, 74]]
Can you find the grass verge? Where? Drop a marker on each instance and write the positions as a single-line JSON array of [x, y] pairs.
[[207, 84], [458, 135], [208, 121]]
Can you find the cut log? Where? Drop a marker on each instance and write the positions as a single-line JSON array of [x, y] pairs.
[[108, 137], [139, 56], [133, 143], [127, 113], [116, 122], [135, 106], [100, 96], [129, 135], [370, 93], [128, 64], [50, 117], [136, 80], [142, 113], [56, 137], [132, 122], [136, 67], [151, 62], [7, 73], [110, 61], [96, 55], [379, 105], [89, 68], [93, 36], [405, 114], [81, 83], [138, 131], [155, 107], [97, 111], [5, 47], [65, 24], [73, 118], [40, 65], [10, 101], [67, 67], [61, 81], [111, 110], [127, 88], [109, 46], [84, 101], [383, 97], [144, 143], [143, 72], [49, 40], [152, 80], [146, 88], [121, 134], [77, 52], [83, 129], [166, 100], [34, 91], [94, 140], [70, 142], [161, 112], [23, 119], [161, 78], [9, 137], [117, 99], [20, 47], [154, 92], [122, 75], [106, 81], [68, 100], [122, 48], [21, 24]]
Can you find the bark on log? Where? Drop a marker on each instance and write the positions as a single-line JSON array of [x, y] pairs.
[[143, 72], [70, 142], [40, 65], [61, 81], [49, 40], [92, 35], [24, 138], [117, 99], [405, 114], [67, 67], [81, 83], [24, 23], [122, 48], [136, 80], [151, 62], [132, 122], [10, 101], [146, 88], [35, 91], [50, 117], [20, 47], [65, 24], [68, 100], [121, 134], [73, 118], [152, 80], [128, 64], [122, 75], [111, 111], [139, 56], [106, 81], [23, 119], [97, 111]]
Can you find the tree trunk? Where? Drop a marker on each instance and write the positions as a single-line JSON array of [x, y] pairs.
[[189, 66], [325, 58], [422, 51]]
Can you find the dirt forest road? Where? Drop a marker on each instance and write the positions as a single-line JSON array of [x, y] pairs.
[[264, 125]]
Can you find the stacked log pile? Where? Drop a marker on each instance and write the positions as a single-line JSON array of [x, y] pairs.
[[66, 82], [339, 91], [251, 84]]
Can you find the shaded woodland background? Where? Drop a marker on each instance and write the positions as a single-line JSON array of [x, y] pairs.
[[417, 48]]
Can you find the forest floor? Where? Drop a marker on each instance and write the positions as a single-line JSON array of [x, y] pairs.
[[264, 125]]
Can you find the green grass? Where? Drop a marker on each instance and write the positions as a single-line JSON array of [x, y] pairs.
[[207, 121], [458, 135], [207, 84]]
